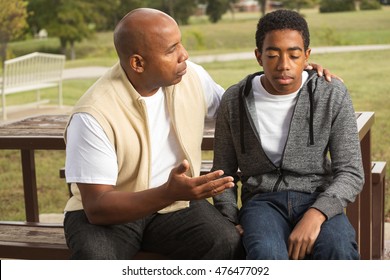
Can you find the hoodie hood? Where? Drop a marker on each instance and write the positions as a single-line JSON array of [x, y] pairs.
[[246, 88]]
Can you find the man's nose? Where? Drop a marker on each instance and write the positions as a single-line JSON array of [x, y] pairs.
[[184, 54]]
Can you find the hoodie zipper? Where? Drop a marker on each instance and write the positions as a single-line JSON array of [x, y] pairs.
[[276, 186], [244, 92]]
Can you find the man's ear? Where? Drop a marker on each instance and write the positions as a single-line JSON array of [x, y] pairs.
[[258, 57], [137, 63]]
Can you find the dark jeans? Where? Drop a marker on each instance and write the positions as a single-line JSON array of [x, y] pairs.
[[197, 232], [269, 218]]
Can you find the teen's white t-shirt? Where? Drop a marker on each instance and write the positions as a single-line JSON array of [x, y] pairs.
[[91, 158], [274, 114]]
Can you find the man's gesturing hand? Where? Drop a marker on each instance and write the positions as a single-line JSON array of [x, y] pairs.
[[182, 187]]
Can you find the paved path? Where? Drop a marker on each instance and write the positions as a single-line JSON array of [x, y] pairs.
[[94, 72], [317, 50]]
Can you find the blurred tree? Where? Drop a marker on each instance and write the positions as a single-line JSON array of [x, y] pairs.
[[13, 21], [231, 7], [331, 6], [105, 10], [120, 11], [216, 8], [180, 10], [263, 6], [298, 4], [69, 20], [370, 5]]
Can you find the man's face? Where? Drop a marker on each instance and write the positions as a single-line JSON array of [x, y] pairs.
[[165, 57], [283, 59]]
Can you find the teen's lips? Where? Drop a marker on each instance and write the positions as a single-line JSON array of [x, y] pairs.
[[284, 80]]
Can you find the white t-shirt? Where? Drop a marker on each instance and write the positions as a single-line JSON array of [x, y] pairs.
[[91, 158], [274, 114]]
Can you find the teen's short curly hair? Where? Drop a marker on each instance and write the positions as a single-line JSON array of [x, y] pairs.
[[279, 20]]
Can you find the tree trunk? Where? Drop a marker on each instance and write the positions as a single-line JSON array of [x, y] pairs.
[[232, 11], [63, 46], [263, 6], [72, 51]]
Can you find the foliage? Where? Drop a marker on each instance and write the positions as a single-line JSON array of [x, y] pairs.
[[13, 15], [119, 11], [370, 5], [216, 8], [330, 6], [180, 10], [298, 4], [69, 20]]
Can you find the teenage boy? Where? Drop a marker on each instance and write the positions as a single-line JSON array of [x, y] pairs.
[[294, 138]]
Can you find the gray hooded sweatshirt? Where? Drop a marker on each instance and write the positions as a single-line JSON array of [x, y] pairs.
[[322, 151]]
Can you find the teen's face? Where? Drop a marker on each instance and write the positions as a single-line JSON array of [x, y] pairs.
[[283, 59], [165, 59]]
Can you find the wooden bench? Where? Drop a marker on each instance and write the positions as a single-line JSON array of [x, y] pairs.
[[34, 240], [39, 241], [33, 71]]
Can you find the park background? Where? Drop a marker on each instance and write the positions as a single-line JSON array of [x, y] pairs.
[[365, 73]]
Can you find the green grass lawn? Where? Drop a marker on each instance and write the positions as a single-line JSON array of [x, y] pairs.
[[364, 73]]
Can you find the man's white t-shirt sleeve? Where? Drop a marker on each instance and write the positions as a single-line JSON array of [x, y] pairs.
[[90, 156]]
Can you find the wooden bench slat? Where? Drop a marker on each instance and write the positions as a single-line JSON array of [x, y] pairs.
[[32, 234], [23, 240], [13, 250]]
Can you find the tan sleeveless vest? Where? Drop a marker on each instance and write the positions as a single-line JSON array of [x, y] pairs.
[[118, 108]]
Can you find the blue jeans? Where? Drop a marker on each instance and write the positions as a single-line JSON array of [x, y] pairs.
[[196, 232], [269, 218]]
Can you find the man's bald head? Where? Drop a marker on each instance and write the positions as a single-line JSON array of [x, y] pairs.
[[134, 32]]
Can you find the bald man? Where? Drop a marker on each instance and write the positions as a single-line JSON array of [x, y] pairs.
[[133, 153]]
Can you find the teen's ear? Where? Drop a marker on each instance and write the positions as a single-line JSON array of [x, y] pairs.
[[137, 63], [258, 57], [307, 55]]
